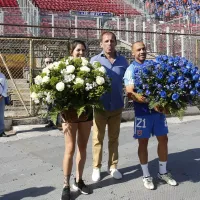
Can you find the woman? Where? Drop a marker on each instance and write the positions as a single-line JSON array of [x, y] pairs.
[[82, 129], [3, 94]]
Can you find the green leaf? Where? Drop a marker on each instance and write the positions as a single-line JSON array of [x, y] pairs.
[[54, 116], [80, 110]]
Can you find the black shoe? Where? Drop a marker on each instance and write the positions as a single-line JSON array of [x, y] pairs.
[[66, 193], [3, 135], [84, 189], [50, 125]]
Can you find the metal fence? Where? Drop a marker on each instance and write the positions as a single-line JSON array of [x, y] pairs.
[[22, 58]]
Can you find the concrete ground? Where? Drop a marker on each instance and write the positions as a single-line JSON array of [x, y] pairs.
[[31, 165]]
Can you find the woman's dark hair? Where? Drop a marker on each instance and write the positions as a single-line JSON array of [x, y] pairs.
[[74, 44]]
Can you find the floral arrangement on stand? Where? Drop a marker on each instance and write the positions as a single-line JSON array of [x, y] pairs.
[[70, 84], [168, 83]]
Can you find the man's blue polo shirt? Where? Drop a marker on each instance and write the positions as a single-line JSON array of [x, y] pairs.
[[113, 100]]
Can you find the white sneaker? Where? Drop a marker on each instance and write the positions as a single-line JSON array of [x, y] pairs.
[[148, 182], [96, 174], [167, 178], [115, 173]]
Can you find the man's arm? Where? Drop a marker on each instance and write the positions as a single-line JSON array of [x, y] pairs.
[[133, 95]]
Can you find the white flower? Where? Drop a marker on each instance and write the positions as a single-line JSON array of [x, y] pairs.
[[45, 79], [94, 84], [84, 61], [40, 94], [102, 69], [56, 65], [69, 78], [70, 58], [38, 80], [85, 68], [79, 81], [50, 66], [34, 95], [36, 101], [48, 98], [46, 70], [67, 62], [88, 86], [60, 86], [70, 69], [100, 80]]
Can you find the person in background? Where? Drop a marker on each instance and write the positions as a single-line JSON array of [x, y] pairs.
[[113, 104], [50, 123], [76, 132], [3, 94]]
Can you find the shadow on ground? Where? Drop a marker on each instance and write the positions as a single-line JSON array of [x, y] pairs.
[[184, 166], [29, 192]]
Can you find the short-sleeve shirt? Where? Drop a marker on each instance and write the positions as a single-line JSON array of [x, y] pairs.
[[140, 108], [113, 100]]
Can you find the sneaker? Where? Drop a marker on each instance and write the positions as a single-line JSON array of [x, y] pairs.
[[84, 189], [96, 174], [167, 178], [3, 135], [66, 193], [50, 125], [148, 182], [115, 173]]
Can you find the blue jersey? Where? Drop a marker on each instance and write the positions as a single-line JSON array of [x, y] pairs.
[[140, 108]]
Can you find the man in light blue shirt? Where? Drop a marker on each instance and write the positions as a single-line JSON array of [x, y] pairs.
[[115, 66], [3, 94]]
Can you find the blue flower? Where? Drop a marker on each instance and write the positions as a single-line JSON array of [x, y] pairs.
[[175, 96], [169, 68], [184, 70], [145, 71], [180, 78], [158, 58], [147, 92], [160, 75], [193, 71], [195, 77], [189, 65], [164, 57], [193, 92], [171, 79], [197, 85], [163, 94], [181, 85], [159, 86], [170, 60]]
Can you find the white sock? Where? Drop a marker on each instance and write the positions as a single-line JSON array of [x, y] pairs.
[[162, 167], [145, 170]]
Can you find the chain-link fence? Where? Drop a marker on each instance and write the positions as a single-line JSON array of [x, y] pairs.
[[23, 58]]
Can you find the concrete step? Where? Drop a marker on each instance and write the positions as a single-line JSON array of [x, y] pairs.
[[21, 90], [17, 81], [25, 96], [18, 85]]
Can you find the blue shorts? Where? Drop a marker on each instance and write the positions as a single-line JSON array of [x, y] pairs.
[[147, 125]]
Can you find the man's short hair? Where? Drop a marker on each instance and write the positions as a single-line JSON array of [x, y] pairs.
[[108, 32], [139, 41]]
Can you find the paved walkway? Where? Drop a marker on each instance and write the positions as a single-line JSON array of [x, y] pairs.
[[31, 165]]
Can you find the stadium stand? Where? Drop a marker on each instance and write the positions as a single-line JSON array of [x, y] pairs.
[[168, 9], [12, 15], [117, 7]]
